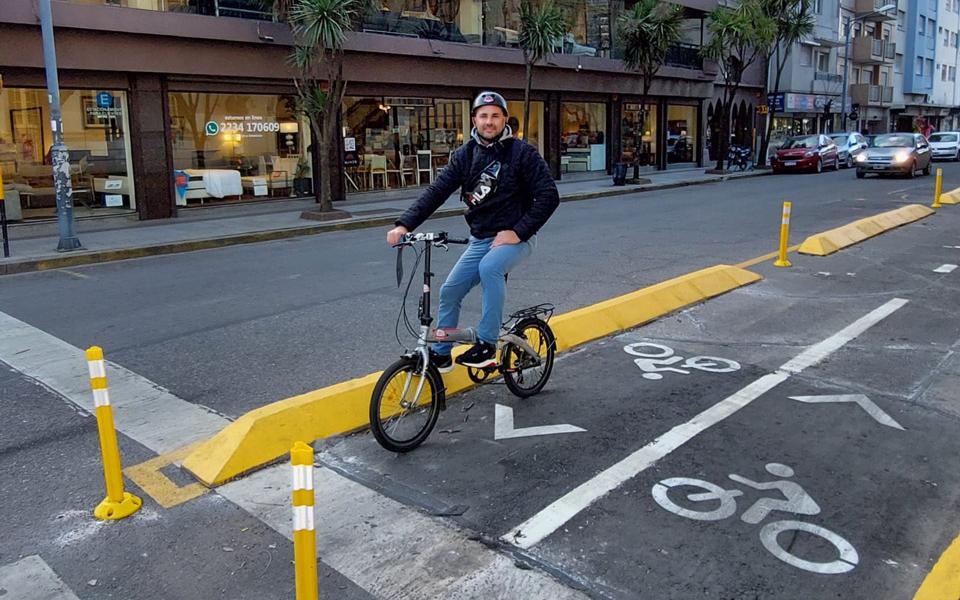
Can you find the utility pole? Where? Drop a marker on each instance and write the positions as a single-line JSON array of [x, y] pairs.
[[59, 156]]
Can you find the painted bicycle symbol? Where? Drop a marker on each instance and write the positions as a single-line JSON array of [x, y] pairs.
[[797, 501], [659, 360]]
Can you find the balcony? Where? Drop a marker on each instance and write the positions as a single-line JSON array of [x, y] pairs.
[[684, 56], [871, 51], [867, 10], [866, 94]]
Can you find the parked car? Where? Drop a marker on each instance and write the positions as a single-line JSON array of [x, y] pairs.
[[802, 152], [945, 145], [896, 153], [849, 145]]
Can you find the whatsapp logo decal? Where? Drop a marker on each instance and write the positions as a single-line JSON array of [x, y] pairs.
[[212, 128]]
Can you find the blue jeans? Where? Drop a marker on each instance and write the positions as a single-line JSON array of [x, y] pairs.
[[480, 264]]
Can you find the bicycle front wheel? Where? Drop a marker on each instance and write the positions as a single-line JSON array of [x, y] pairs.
[[524, 373], [405, 405]]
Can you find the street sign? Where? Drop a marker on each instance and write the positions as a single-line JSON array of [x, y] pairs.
[[104, 100], [777, 102], [763, 109]]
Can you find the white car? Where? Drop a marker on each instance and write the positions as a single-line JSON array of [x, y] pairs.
[[945, 145]]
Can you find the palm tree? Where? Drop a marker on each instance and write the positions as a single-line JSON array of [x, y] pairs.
[[795, 22], [319, 30], [541, 27], [738, 36], [646, 33]]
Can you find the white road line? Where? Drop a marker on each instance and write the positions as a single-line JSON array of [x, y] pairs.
[[30, 578], [391, 550], [142, 410], [947, 268], [554, 516]]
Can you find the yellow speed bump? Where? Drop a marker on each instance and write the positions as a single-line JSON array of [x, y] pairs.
[[266, 434], [951, 197], [943, 581], [828, 242]]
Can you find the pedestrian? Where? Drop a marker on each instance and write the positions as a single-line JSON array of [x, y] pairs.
[[509, 194]]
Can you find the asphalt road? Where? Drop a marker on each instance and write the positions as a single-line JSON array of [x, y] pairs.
[[239, 327]]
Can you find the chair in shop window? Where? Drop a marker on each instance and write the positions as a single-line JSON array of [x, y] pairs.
[[408, 166], [424, 166], [81, 183], [377, 164]]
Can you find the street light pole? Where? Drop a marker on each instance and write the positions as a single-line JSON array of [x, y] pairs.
[[59, 156], [846, 67]]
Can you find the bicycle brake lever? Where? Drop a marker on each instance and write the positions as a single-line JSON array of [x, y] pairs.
[[399, 265]]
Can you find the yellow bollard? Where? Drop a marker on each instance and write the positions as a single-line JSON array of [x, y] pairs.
[[118, 503], [304, 536], [936, 192], [784, 236]]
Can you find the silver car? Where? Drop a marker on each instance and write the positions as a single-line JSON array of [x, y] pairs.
[[895, 153], [849, 145]]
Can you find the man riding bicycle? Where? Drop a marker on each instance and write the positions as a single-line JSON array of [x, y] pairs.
[[509, 194]]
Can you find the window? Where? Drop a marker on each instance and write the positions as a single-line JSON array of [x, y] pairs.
[[946, 37], [818, 7], [898, 65], [923, 25], [901, 19], [823, 62], [943, 72], [953, 74], [919, 66], [806, 56], [928, 68]]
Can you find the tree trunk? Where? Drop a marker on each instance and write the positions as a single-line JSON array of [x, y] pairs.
[[765, 143], [526, 101], [315, 130], [724, 145], [327, 126], [765, 132]]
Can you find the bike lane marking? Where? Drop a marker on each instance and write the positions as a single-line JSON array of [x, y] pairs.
[[534, 530], [945, 268]]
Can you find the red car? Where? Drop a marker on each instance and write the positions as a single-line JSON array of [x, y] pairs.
[[807, 152]]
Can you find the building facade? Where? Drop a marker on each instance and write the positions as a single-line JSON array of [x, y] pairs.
[[171, 104]]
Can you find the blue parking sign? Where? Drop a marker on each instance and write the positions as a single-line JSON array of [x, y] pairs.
[[104, 100]]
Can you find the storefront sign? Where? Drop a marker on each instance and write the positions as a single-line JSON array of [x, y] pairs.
[[113, 200], [253, 126], [96, 114], [805, 102], [180, 181], [775, 102], [408, 101], [104, 100]]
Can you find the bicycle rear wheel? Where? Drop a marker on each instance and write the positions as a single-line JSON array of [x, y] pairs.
[[401, 419], [526, 374]]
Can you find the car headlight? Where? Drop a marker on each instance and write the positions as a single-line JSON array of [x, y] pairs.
[[901, 157], [809, 153], [862, 157]]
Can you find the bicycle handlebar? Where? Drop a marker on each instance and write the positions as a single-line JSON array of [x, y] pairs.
[[437, 239]]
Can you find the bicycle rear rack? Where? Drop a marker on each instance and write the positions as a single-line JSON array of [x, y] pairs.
[[545, 309]]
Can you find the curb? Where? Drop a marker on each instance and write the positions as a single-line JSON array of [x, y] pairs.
[[101, 256], [265, 434], [828, 242]]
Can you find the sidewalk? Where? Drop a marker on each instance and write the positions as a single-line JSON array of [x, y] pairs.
[[33, 245]]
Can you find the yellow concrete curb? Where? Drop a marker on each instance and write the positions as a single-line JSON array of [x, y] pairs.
[[943, 581], [951, 197], [829, 242], [265, 434]]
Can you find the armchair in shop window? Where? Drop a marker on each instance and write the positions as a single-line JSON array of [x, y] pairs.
[[81, 183], [406, 169]]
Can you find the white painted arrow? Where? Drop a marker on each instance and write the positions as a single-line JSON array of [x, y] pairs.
[[865, 403], [503, 426]]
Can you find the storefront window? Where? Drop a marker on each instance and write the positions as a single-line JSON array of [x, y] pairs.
[[681, 134], [243, 9], [94, 131], [535, 134], [583, 127], [229, 147], [639, 128], [590, 27], [448, 20], [401, 141]]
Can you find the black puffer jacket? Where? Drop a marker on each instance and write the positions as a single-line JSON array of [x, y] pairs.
[[525, 198]]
